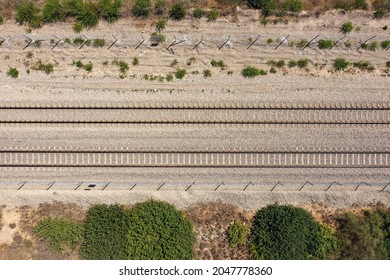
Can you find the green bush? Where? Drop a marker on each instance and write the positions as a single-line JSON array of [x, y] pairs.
[[27, 13], [325, 44], [73, 7], [268, 6], [88, 15], [105, 235], [302, 43], [141, 8], [360, 5], [340, 64], [169, 77], [218, 63], [78, 27], [123, 66], [61, 234], [53, 11], [293, 5], [238, 233], [191, 61], [364, 237], [159, 232], [206, 73], [1, 20], [135, 61], [13, 72], [388, 64], [180, 73], [385, 44], [178, 10], [292, 63], [160, 7], [272, 70], [282, 232], [98, 43], [161, 24], [198, 13], [370, 46], [87, 67], [379, 14], [78, 41], [302, 63], [346, 27], [364, 65], [250, 72], [157, 38], [212, 15], [48, 68], [110, 9]]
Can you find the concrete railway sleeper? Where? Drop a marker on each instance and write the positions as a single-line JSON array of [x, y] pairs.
[[195, 159]]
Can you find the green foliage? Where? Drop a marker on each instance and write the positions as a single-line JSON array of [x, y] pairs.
[[178, 10], [191, 61], [78, 41], [78, 27], [385, 44], [53, 11], [292, 63], [135, 61], [161, 24], [157, 38], [174, 63], [238, 233], [218, 63], [180, 73], [360, 4], [73, 7], [325, 44], [212, 15], [269, 41], [141, 8], [283, 232], [364, 237], [206, 73], [87, 67], [379, 14], [61, 234], [28, 13], [381, 5], [268, 6], [160, 7], [198, 13], [302, 43], [272, 70], [273, 63], [388, 64], [250, 72], [364, 65], [302, 63], [48, 68], [110, 9], [98, 43], [1, 20], [331, 244], [293, 5], [346, 27], [123, 66], [105, 235], [159, 232], [13, 72], [37, 43], [169, 77], [88, 15], [340, 64], [370, 46]]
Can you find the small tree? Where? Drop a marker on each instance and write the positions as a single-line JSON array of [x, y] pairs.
[[110, 9], [178, 10], [13, 73], [141, 8], [347, 27], [160, 25]]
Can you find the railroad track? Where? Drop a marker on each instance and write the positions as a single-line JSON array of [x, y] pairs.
[[185, 115], [185, 159]]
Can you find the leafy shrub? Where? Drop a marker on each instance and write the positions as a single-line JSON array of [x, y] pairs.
[[269, 41], [364, 65], [385, 44], [212, 15], [88, 15], [302, 43], [53, 11], [268, 6], [282, 232], [159, 232], [48, 68], [191, 61], [174, 63], [272, 70], [169, 77], [135, 61], [388, 64], [292, 63], [293, 5], [302, 63], [178, 10], [37, 43], [161, 24], [78, 27], [61, 234], [364, 237], [180, 73], [73, 7], [379, 14], [160, 7], [346, 27], [250, 72], [110, 9], [370, 46], [238, 233], [141, 8], [157, 38], [78, 41], [13, 72], [206, 73], [360, 4], [198, 13], [105, 235], [123, 66], [27, 13], [218, 63], [280, 63], [340, 64], [87, 67], [1, 20], [325, 44], [98, 43]]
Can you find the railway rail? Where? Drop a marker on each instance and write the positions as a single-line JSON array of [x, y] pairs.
[[196, 159], [199, 115]]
